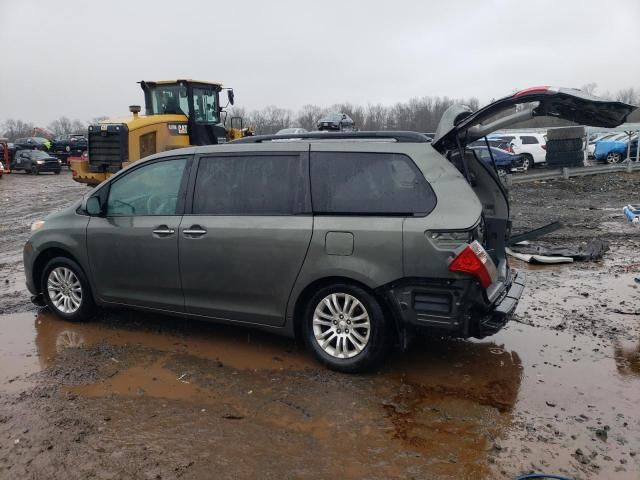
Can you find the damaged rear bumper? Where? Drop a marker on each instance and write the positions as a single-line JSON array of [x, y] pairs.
[[502, 310], [455, 307]]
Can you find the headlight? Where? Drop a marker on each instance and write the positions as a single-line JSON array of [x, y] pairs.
[[37, 225], [40, 162], [60, 162]]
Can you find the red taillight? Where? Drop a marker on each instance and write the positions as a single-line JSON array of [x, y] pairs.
[[527, 91], [474, 260], [544, 147]]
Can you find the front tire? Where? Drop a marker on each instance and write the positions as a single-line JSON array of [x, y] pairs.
[[613, 158], [66, 290], [35, 170], [345, 328]]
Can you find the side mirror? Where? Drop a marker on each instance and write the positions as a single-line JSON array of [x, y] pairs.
[[230, 96], [94, 206]]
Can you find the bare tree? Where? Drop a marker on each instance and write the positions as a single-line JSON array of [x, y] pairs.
[[64, 125], [308, 116], [13, 129], [628, 95], [589, 88], [60, 126], [78, 126]]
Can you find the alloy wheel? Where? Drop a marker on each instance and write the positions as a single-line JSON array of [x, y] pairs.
[[341, 325], [613, 157], [65, 290]]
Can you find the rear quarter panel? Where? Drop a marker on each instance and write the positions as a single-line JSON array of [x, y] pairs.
[[457, 208], [386, 249]]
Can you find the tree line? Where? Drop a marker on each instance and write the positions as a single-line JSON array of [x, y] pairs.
[[417, 114]]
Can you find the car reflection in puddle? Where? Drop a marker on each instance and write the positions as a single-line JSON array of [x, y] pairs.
[[443, 398]]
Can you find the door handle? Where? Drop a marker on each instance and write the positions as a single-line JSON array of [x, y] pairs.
[[194, 231], [164, 231]]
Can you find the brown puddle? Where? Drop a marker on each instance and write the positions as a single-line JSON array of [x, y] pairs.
[[235, 347]]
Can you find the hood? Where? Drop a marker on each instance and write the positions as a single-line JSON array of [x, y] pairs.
[[458, 121]]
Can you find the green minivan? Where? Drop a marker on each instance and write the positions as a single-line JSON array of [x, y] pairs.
[[350, 241]]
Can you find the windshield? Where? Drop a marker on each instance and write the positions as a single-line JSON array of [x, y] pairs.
[[205, 105], [37, 155], [169, 99]]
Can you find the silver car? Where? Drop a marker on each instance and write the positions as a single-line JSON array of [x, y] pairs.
[[352, 241]]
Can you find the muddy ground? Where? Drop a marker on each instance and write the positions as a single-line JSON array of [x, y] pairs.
[[134, 395]]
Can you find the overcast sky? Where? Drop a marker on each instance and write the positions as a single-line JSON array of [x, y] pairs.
[[82, 58]]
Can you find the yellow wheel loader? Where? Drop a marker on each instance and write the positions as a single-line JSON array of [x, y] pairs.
[[178, 113]]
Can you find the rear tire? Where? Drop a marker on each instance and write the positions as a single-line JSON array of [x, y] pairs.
[[565, 159], [345, 328], [527, 161], [563, 133], [66, 290], [565, 145]]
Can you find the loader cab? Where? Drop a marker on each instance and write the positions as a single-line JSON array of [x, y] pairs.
[[198, 101]]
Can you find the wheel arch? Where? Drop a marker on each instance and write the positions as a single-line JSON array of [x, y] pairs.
[[43, 258], [307, 292]]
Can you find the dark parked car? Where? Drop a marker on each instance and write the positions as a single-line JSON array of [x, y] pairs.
[[70, 145], [505, 162], [36, 162], [336, 122], [33, 143], [352, 241]]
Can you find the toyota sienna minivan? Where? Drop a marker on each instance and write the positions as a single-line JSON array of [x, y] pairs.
[[350, 241]]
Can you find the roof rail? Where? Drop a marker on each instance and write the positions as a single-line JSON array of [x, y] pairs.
[[398, 136]]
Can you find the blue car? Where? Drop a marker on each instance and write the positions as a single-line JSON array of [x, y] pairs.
[[505, 162], [614, 151]]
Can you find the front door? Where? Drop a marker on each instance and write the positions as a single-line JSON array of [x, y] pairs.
[[133, 248], [243, 244]]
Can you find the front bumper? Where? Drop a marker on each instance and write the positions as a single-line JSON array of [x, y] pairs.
[[28, 256], [49, 167]]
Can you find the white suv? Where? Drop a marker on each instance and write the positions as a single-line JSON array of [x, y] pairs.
[[532, 147]]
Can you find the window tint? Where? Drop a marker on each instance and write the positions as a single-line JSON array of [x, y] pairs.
[[483, 153], [368, 183], [148, 190], [529, 140], [252, 185]]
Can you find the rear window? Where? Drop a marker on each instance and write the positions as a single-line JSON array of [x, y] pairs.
[[526, 140], [368, 184], [252, 185]]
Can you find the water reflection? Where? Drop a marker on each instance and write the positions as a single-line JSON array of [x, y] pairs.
[[627, 359], [443, 400]]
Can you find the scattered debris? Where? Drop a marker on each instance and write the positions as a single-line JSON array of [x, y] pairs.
[[632, 212], [535, 233], [590, 251]]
